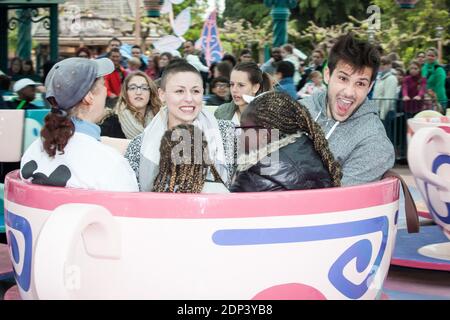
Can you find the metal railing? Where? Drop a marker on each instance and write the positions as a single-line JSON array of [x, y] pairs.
[[397, 114]]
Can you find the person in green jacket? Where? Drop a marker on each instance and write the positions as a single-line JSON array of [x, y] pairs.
[[245, 79], [435, 75]]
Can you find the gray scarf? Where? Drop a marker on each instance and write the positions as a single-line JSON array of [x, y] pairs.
[[131, 127]]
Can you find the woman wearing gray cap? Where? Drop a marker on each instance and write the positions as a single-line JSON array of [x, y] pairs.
[[69, 153]]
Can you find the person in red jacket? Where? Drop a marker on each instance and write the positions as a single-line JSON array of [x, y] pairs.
[[113, 81], [413, 90]]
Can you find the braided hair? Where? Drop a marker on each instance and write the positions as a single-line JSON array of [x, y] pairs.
[[276, 110], [188, 175]]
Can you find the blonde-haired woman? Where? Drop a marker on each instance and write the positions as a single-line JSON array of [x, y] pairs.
[[137, 105]]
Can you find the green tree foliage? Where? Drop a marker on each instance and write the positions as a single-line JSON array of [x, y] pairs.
[[247, 24], [315, 22], [237, 35], [327, 13], [307, 12], [315, 36], [407, 31], [253, 11], [12, 40], [323, 13]]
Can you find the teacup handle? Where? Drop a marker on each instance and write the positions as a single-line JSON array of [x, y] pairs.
[[417, 160], [56, 243], [412, 218]]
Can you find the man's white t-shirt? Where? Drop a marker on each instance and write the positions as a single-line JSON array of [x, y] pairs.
[[86, 164]]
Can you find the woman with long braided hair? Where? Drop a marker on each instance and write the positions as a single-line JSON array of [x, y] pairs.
[[299, 159], [181, 92], [184, 165]]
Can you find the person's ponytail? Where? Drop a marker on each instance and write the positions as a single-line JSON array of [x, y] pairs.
[[57, 131], [266, 84], [255, 75]]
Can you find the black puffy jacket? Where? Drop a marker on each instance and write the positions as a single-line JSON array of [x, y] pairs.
[[298, 167]]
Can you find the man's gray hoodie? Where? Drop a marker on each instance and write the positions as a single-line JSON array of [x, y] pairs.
[[359, 144]]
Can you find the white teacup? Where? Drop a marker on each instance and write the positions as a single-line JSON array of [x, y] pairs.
[[429, 161], [317, 244], [417, 123]]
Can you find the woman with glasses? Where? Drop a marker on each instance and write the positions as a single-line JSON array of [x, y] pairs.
[[181, 91], [246, 79], [282, 148], [220, 92], [137, 105]]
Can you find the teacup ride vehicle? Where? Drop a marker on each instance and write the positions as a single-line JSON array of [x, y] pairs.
[[6, 270], [429, 161], [424, 119], [409, 247], [18, 129], [314, 244], [11, 133], [82, 244]]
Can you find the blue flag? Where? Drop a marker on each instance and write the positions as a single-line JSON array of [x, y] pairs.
[[210, 41]]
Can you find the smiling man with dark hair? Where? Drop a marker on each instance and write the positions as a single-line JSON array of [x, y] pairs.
[[350, 121]]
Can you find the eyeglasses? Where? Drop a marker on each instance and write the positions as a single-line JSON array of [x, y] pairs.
[[134, 88], [222, 85]]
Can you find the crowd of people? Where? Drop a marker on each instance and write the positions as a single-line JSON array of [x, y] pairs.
[[278, 126], [423, 85]]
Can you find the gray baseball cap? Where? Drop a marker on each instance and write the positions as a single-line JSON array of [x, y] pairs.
[[70, 80]]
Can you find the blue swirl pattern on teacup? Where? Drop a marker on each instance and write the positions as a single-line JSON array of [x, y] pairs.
[[361, 250], [22, 225], [437, 163]]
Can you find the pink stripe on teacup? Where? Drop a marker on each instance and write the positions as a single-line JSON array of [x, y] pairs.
[[194, 206]]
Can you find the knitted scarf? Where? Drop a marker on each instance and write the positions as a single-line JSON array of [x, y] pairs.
[[131, 127]]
